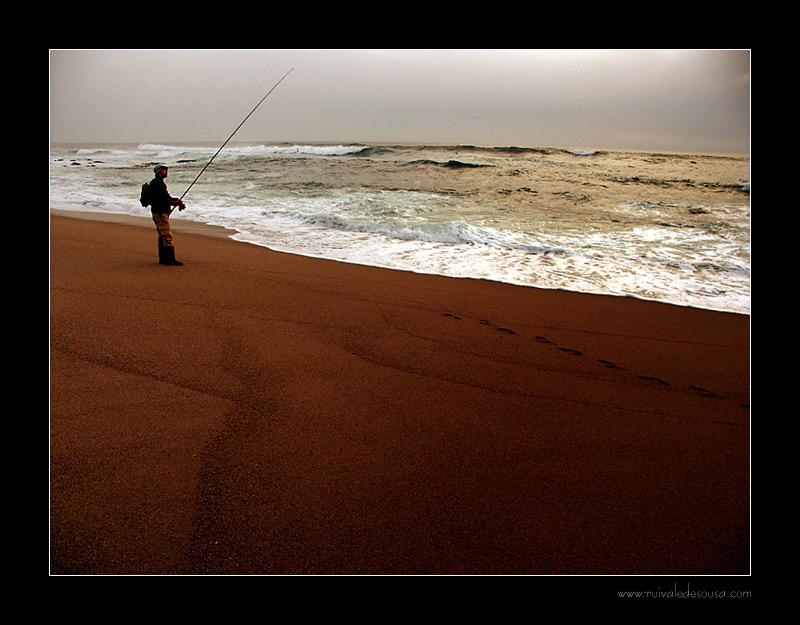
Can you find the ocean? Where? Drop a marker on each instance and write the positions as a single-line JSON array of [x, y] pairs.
[[659, 226]]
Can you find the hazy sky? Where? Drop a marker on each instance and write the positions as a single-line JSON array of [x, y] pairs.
[[673, 100]]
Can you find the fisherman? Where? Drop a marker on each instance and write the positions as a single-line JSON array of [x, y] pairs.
[[161, 206], [161, 202]]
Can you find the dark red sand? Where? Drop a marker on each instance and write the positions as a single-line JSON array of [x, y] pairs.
[[254, 412]]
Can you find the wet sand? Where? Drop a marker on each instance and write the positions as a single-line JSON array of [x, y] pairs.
[[255, 412]]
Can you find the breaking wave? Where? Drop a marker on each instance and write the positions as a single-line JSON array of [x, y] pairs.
[[465, 211]]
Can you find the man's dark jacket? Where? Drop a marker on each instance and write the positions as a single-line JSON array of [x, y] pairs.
[[160, 199]]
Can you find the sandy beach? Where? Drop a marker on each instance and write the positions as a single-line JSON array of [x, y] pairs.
[[255, 412]]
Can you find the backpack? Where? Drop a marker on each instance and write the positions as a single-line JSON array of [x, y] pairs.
[[145, 197]]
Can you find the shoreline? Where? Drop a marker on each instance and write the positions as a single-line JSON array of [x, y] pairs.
[[257, 412], [188, 225]]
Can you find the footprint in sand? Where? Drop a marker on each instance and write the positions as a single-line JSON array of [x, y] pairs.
[[486, 322], [704, 391], [650, 378], [575, 352]]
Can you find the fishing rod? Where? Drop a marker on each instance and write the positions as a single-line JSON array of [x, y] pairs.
[[233, 133]]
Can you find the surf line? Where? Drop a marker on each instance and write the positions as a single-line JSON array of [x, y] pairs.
[[595, 282], [234, 132]]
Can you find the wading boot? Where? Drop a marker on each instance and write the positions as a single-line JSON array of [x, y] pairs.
[[166, 256]]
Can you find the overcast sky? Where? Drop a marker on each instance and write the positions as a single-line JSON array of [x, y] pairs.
[[672, 100]]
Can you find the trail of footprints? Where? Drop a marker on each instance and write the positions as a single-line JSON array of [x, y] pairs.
[[575, 352]]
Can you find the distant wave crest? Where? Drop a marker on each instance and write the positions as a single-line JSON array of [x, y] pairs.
[[319, 150]]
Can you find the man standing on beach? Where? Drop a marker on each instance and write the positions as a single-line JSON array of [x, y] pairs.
[[161, 203]]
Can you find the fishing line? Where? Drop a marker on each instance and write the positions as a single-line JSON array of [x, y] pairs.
[[234, 132]]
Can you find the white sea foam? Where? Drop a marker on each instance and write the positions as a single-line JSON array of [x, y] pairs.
[[461, 235]]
